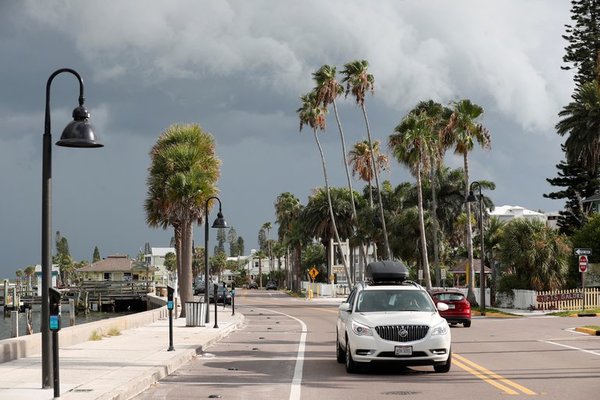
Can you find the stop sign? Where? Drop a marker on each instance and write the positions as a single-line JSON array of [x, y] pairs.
[[583, 263]]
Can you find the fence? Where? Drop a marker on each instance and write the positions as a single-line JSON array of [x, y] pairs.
[[572, 299]]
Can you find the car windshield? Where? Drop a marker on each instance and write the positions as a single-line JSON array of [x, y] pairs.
[[394, 300]]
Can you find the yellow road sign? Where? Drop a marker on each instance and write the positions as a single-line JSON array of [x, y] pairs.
[[313, 272]]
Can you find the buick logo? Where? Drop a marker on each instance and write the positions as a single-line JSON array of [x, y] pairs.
[[403, 333]]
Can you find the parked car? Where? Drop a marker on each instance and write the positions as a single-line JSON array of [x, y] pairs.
[[271, 286], [199, 287], [223, 294], [459, 308], [390, 319], [253, 285]]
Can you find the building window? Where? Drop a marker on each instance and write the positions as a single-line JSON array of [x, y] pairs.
[[107, 276]]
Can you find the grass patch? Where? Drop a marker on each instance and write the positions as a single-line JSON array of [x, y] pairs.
[[595, 327], [95, 335], [491, 312], [573, 313], [114, 331]]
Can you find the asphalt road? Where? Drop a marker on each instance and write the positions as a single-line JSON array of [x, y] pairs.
[[286, 350]]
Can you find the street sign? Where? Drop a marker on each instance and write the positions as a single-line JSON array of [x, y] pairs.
[[313, 272], [583, 263], [583, 252]]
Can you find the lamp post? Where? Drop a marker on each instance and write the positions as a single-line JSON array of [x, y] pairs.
[[219, 223], [472, 199], [78, 133]]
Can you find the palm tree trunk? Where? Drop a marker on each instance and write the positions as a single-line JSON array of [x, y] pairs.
[[388, 253], [436, 228], [343, 141], [422, 229], [471, 270], [331, 214], [185, 279]]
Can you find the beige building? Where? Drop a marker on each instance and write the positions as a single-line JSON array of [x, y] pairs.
[[116, 268]]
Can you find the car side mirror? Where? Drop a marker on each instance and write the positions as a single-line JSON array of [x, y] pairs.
[[442, 306], [347, 307]]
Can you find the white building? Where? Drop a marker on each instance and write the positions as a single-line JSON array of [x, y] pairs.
[[156, 259], [506, 213]]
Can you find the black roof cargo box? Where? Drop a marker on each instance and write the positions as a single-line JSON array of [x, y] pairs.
[[386, 271]]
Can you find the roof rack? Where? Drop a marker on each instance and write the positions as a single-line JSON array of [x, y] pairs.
[[386, 272]]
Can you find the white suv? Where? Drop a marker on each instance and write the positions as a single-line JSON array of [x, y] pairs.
[[391, 319]]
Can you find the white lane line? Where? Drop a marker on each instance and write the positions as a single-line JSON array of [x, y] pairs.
[[571, 347], [297, 379]]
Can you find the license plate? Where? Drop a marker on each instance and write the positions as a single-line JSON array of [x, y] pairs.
[[403, 350], [451, 306]]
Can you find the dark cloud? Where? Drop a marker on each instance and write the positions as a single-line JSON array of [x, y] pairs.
[[238, 68]]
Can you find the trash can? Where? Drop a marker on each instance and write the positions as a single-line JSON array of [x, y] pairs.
[[195, 313]]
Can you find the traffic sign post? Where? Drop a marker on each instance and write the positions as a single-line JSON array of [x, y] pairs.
[[583, 264], [583, 252]]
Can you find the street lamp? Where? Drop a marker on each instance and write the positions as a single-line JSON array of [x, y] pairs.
[[78, 133], [472, 199], [219, 223]]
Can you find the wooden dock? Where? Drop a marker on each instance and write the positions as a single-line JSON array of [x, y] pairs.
[[93, 296]]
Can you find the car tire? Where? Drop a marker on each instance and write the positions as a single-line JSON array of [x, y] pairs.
[[467, 324], [351, 366], [445, 367], [340, 355]]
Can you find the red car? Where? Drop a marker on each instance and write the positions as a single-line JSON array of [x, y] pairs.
[[459, 308]]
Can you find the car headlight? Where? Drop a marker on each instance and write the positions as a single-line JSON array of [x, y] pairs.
[[441, 329], [361, 330]]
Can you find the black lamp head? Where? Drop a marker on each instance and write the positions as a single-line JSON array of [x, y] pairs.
[[220, 221], [471, 198], [79, 132]]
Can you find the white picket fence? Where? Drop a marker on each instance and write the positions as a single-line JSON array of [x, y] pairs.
[[572, 299]]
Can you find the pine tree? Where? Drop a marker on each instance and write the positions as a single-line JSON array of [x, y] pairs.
[[583, 56], [96, 257], [578, 185], [584, 40]]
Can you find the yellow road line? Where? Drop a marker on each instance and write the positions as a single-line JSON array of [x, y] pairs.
[[484, 378], [490, 377]]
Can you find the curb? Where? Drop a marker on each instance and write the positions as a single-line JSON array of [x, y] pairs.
[[589, 331]]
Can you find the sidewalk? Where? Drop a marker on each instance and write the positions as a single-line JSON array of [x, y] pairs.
[[116, 367]]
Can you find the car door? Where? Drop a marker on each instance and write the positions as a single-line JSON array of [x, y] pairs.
[[343, 316]]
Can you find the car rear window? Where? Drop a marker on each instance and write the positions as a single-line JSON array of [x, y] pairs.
[[449, 296]]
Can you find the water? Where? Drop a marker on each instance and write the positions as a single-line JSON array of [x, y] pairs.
[[81, 318]]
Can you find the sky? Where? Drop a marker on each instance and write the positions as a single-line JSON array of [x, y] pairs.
[[238, 68]]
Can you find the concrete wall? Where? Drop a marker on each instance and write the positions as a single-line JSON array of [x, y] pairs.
[[30, 345]]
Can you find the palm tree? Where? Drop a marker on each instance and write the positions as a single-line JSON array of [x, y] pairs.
[[327, 90], [463, 131], [413, 144], [493, 235], [29, 272], [183, 172], [267, 226], [287, 213], [358, 82], [580, 119], [537, 257], [438, 117], [313, 115], [362, 165]]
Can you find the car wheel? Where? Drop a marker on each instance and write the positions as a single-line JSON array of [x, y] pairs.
[[339, 353], [467, 324], [351, 366], [445, 367]]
